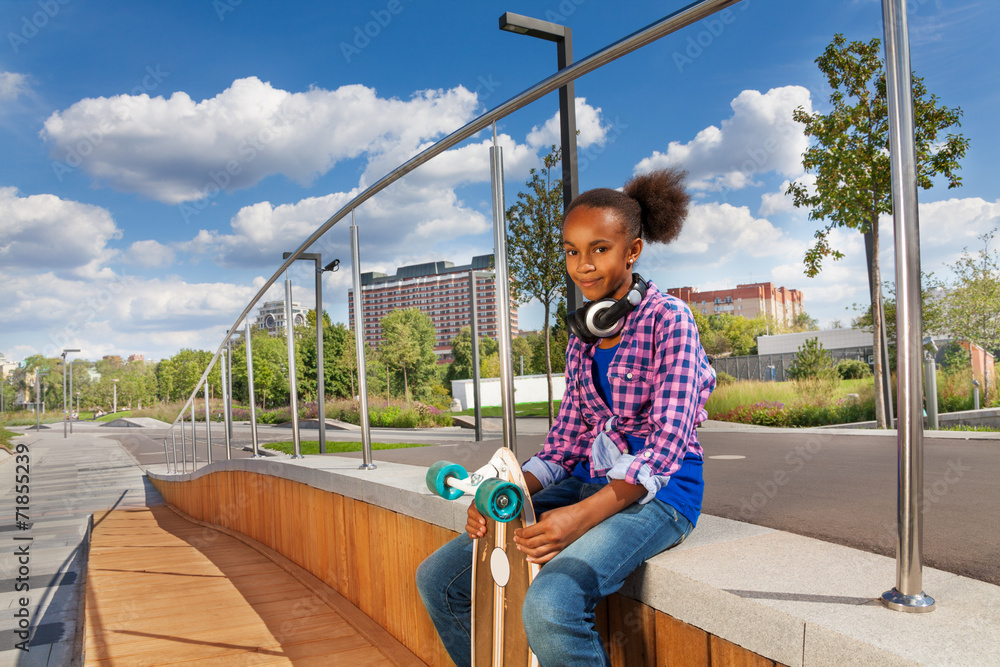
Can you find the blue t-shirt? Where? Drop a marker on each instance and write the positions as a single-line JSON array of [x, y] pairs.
[[686, 487]]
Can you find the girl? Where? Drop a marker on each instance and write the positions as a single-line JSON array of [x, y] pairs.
[[619, 478]]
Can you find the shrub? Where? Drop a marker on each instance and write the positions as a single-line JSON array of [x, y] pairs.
[[811, 361], [853, 369], [722, 377]]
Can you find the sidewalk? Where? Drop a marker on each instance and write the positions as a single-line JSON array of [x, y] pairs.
[[68, 479]]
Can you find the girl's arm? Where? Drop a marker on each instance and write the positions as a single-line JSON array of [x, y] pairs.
[[560, 527]]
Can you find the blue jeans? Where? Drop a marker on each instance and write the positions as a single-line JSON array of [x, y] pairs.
[[559, 608]]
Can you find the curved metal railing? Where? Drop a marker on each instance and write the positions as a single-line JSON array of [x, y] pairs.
[[683, 17]]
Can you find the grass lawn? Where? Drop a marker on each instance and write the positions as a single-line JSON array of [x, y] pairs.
[[5, 439], [748, 392], [312, 446], [540, 409]]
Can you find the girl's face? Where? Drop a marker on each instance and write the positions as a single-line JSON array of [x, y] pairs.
[[599, 257]]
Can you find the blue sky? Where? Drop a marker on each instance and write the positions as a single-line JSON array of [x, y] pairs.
[[158, 157]]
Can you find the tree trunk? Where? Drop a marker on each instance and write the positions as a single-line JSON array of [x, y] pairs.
[[548, 363], [877, 324]]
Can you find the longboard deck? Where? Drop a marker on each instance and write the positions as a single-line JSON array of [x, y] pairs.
[[500, 578]]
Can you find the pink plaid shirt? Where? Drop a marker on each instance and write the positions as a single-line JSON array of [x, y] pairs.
[[660, 381]]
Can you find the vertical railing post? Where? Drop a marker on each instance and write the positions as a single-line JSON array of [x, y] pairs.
[[194, 441], [224, 368], [908, 594], [253, 400], [359, 345], [208, 424], [227, 379], [292, 384], [184, 455], [503, 296], [477, 401], [173, 445]]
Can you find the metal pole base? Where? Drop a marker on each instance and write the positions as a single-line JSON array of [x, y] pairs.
[[296, 456], [258, 456], [915, 604], [367, 466]]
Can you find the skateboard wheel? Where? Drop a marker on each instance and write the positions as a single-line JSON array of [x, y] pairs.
[[437, 476], [499, 500]]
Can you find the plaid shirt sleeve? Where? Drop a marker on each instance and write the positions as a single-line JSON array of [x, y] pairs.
[[682, 381], [563, 444]]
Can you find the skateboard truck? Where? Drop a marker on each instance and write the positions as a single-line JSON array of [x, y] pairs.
[[495, 498]]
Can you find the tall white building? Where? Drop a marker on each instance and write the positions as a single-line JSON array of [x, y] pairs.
[[271, 316]]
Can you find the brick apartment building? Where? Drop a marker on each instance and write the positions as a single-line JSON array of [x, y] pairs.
[[780, 303], [438, 289]]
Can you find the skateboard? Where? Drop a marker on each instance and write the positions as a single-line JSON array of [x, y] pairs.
[[500, 573]]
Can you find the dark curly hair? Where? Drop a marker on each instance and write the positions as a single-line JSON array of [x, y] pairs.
[[652, 206]]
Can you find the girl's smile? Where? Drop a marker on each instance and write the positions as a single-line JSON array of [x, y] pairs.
[[599, 257]]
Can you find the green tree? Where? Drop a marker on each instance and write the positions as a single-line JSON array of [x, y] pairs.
[[972, 305], [521, 351], [811, 361], [535, 249], [931, 306], [725, 334], [408, 348], [461, 349], [850, 157]]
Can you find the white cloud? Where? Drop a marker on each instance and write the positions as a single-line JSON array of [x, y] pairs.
[[759, 137], [177, 149], [588, 124], [42, 232], [773, 203], [12, 86], [150, 254]]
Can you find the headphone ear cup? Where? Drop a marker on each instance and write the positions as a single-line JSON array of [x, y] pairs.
[[576, 322]]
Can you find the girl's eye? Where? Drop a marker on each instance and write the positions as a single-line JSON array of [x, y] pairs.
[[570, 253], [600, 250]]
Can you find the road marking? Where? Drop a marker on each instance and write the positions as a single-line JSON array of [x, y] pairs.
[[727, 457]]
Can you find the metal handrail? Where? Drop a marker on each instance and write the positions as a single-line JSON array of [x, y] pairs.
[[679, 19]]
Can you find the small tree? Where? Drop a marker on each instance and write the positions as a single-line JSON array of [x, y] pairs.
[[851, 160], [408, 348], [811, 361], [972, 305], [535, 248]]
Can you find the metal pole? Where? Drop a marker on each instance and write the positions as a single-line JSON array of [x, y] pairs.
[[503, 296], [908, 594], [38, 391], [184, 456], [194, 443], [173, 446], [359, 345], [208, 425], [227, 400], [70, 389], [320, 374], [224, 370], [975, 394], [477, 401], [166, 455], [292, 384], [253, 400], [65, 411]]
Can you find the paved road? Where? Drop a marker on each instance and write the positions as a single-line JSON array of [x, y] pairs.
[[834, 486]]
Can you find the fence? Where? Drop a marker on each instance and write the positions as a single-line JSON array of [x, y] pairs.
[[774, 367]]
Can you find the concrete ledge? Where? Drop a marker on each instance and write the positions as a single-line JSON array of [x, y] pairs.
[[792, 599]]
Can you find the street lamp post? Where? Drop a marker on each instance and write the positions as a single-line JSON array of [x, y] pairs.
[[320, 374], [114, 408], [65, 413], [563, 37]]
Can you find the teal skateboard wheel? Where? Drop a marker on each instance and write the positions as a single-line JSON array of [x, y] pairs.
[[499, 500], [437, 476]]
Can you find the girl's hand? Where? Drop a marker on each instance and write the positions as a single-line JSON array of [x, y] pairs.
[[475, 524], [556, 530]]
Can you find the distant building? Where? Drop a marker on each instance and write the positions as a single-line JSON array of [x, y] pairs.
[[271, 316], [7, 367], [113, 359], [438, 289], [136, 357], [779, 303]]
